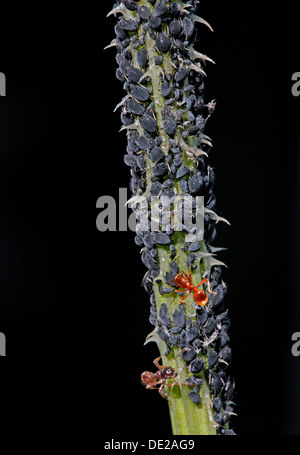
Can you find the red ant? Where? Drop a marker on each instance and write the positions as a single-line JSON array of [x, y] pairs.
[[150, 380], [185, 282]]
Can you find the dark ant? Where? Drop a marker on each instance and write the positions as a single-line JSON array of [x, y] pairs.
[[185, 282], [151, 380]]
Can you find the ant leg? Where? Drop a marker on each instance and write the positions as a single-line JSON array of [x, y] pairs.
[[155, 386], [177, 290], [208, 285], [188, 276], [152, 387], [168, 385], [203, 281], [160, 390], [155, 361], [181, 300], [174, 383]]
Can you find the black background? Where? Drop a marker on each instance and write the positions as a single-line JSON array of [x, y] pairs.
[[72, 308]]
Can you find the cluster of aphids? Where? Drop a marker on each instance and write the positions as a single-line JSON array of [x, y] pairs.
[[166, 153], [206, 337]]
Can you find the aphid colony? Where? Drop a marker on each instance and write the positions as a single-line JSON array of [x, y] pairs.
[[164, 114]]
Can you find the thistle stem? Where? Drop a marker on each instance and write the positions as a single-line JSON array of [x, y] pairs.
[[165, 116], [187, 418]]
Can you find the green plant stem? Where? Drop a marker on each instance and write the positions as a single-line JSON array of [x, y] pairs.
[[187, 418]]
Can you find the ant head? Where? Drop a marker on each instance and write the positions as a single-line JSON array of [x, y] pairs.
[[168, 373], [200, 297], [148, 378]]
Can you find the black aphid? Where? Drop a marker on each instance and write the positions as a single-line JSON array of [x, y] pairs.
[[147, 239], [139, 240], [194, 247], [174, 267], [189, 354], [139, 93], [195, 183], [144, 12], [142, 143], [177, 160], [168, 184], [194, 396], [197, 366], [160, 169], [175, 330], [128, 25], [135, 108], [210, 327], [174, 339], [164, 291], [161, 239], [163, 315], [141, 162], [192, 334], [166, 89], [175, 28], [134, 74], [217, 403], [170, 126], [126, 118], [229, 391], [190, 382], [170, 277], [155, 22], [129, 160], [184, 186], [179, 318], [226, 354], [212, 359], [218, 418], [130, 5], [181, 74], [148, 123], [158, 60], [224, 338], [155, 189], [156, 154], [188, 27], [142, 57], [163, 334], [198, 381], [182, 171], [160, 9], [216, 385], [163, 43]]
